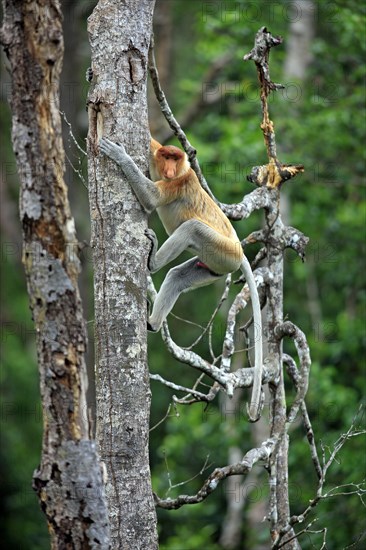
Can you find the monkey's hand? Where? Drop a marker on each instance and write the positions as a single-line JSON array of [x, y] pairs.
[[145, 189], [114, 151], [150, 234]]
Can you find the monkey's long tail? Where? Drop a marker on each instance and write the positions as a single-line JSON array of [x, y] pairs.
[[258, 347]]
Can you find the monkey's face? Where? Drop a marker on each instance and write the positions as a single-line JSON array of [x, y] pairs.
[[169, 160]]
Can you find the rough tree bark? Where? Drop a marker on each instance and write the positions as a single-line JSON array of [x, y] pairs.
[[68, 481], [117, 105]]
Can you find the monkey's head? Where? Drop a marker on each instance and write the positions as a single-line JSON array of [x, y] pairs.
[[170, 161]]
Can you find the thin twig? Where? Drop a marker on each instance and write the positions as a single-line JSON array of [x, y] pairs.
[[78, 172], [167, 415], [296, 535], [63, 114], [71, 134], [210, 396], [351, 432], [171, 486], [201, 396], [223, 298]]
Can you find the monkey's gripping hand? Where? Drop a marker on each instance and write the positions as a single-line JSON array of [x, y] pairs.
[[114, 151], [145, 190]]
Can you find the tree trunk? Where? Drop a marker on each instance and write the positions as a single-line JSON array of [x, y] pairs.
[[298, 57], [301, 34], [68, 480], [297, 61], [120, 36], [279, 499]]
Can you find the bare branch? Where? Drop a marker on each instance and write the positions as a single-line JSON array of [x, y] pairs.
[[259, 257], [359, 489], [167, 415], [274, 173], [71, 133], [219, 474], [223, 298], [171, 486], [292, 371], [210, 396], [303, 351], [193, 359], [242, 378], [256, 200], [305, 530], [296, 240], [199, 395]]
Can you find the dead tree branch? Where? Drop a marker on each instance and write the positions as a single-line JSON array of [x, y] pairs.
[[358, 489], [243, 467], [302, 348], [292, 371]]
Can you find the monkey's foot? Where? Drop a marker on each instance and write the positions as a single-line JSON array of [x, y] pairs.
[[150, 234], [151, 329]]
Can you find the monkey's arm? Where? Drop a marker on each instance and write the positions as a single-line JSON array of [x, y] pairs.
[[146, 191]]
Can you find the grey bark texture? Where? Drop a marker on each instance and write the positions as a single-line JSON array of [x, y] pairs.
[[117, 104], [68, 480]]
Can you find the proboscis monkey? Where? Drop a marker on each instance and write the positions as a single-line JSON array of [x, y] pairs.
[[193, 222]]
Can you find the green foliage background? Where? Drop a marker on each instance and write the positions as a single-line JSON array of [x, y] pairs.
[[320, 123]]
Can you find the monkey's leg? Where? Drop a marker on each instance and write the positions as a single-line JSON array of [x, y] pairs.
[[220, 254], [184, 277], [182, 239]]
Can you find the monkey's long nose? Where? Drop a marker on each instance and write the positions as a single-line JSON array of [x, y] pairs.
[[169, 169]]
